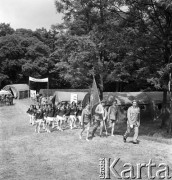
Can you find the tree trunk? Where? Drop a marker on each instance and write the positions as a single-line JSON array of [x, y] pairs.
[[170, 119], [164, 109]]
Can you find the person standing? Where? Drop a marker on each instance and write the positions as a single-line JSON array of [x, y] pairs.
[[85, 121], [79, 114], [30, 112], [113, 114], [49, 117], [60, 117], [133, 122], [39, 119], [100, 116], [73, 111]]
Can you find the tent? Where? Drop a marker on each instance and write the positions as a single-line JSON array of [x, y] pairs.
[[126, 98], [20, 91], [4, 92], [65, 94], [157, 96], [52, 92], [146, 100]]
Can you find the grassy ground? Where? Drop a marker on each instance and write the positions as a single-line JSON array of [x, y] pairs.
[[25, 155]]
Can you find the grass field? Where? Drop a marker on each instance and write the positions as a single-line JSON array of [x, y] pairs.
[[25, 155]]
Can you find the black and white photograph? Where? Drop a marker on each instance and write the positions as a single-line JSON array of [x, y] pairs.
[[85, 89]]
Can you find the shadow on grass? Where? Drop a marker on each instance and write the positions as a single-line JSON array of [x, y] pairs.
[[147, 130]]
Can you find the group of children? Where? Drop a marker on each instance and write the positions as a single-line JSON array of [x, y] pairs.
[[49, 115]]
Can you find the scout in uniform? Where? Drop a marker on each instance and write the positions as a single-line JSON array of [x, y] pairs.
[[30, 112], [50, 117], [67, 115], [133, 122], [73, 110], [79, 113], [85, 121], [113, 115], [34, 114], [60, 116], [39, 119], [100, 117]]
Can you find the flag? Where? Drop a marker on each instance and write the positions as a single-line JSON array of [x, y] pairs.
[[94, 96], [11, 91], [53, 100]]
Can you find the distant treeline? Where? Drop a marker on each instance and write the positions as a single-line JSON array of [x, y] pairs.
[[127, 50]]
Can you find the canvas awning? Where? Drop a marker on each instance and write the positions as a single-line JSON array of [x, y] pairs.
[[124, 98]]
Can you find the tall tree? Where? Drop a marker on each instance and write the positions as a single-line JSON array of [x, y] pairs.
[[153, 19], [97, 21], [5, 29]]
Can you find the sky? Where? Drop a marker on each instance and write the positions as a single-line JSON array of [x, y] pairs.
[[29, 14]]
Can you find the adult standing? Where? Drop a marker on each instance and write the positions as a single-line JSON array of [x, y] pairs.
[[85, 121], [100, 116], [113, 115], [133, 122]]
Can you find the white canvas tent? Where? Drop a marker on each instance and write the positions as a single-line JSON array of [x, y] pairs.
[[19, 91]]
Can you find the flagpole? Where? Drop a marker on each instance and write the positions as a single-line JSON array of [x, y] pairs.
[[47, 88], [29, 90]]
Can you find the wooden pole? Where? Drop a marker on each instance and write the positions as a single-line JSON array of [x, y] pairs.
[[170, 120], [29, 90], [47, 88]]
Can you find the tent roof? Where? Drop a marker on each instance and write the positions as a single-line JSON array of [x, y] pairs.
[[51, 92], [18, 87], [126, 97], [73, 90], [66, 96], [156, 96]]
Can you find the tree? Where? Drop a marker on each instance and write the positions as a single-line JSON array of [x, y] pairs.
[[5, 29], [22, 55], [152, 20], [96, 21]]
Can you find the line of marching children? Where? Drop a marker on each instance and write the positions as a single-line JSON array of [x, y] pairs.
[[49, 115]]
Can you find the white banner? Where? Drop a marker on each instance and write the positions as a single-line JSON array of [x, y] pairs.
[[38, 80], [33, 93], [73, 97]]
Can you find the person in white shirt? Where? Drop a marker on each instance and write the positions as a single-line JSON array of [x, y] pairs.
[[133, 122]]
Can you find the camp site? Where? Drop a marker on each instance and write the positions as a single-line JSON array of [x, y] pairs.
[[61, 154], [85, 89]]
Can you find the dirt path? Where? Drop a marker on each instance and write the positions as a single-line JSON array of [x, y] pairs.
[[61, 155]]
